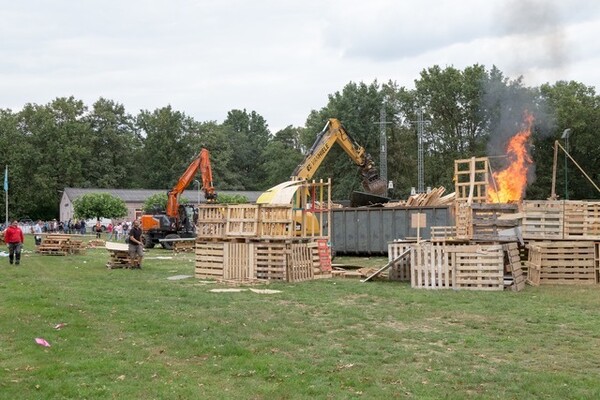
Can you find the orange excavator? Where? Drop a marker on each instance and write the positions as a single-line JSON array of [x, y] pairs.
[[179, 220]]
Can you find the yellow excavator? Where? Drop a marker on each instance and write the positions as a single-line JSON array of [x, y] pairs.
[[334, 132]]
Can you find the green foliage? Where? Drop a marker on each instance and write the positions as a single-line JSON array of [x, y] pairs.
[[231, 199], [158, 203], [99, 205]]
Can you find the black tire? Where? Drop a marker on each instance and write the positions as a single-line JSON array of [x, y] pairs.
[[148, 243], [169, 245]]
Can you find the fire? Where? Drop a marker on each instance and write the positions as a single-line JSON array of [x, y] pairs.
[[510, 183]]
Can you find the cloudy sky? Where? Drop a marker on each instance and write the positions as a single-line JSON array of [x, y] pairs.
[[278, 58]]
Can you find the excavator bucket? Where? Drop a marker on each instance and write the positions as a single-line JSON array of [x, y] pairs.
[[377, 186]]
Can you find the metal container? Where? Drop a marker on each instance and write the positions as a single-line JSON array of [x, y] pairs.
[[367, 231]]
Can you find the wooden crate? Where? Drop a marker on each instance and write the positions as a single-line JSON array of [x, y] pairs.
[[401, 270], [242, 220], [209, 259], [275, 221], [118, 255], [563, 262], [581, 220], [430, 267], [211, 221], [443, 233], [477, 267], [543, 219]]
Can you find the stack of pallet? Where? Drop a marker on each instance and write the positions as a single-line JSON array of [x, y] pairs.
[[562, 238], [55, 245], [433, 198], [466, 267], [118, 255], [184, 246], [250, 242]]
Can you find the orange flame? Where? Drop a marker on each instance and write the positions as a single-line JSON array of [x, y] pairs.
[[512, 181]]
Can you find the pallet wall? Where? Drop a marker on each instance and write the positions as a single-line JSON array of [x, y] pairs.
[[561, 263], [561, 220]]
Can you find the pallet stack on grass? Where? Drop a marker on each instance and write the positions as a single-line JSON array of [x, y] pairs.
[[184, 246], [562, 240], [255, 242], [465, 266], [60, 245], [118, 255]]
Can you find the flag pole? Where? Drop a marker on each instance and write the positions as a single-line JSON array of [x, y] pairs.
[[6, 193]]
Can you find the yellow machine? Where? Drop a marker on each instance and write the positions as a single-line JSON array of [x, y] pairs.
[[334, 132]]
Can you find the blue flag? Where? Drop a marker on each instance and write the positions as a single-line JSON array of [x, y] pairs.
[[6, 179]]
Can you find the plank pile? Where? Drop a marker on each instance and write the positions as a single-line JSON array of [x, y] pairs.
[[184, 246], [432, 199]]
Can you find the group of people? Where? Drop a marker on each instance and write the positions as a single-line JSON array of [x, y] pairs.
[[14, 238], [118, 231]]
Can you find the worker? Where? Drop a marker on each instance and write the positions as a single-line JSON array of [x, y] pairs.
[[13, 236], [136, 247]]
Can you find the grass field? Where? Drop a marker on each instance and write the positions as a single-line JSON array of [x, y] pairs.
[[134, 334]]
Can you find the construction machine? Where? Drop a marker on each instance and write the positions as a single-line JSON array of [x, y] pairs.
[[334, 132], [179, 220]]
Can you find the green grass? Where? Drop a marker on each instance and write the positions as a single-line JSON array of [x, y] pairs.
[[135, 334]]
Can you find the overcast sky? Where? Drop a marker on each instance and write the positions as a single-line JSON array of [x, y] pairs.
[[278, 58]]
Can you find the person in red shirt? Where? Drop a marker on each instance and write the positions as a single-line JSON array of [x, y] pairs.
[[13, 236]]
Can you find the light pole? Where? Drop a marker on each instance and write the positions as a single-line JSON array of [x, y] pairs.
[[565, 135], [197, 189]]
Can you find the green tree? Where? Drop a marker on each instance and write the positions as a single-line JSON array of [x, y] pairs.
[[167, 150], [99, 205], [115, 146], [282, 155], [231, 199], [157, 203], [248, 136]]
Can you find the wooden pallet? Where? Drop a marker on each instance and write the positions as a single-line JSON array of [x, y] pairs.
[[597, 260], [477, 267], [563, 263], [430, 267], [118, 255], [301, 262], [400, 271], [513, 267], [242, 220], [275, 221], [209, 260], [581, 220], [471, 180], [542, 219], [489, 220], [271, 260], [211, 221]]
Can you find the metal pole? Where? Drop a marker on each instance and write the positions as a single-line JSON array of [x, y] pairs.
[[566, 169]]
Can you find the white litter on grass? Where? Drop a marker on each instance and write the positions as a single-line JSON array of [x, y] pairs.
[[159, 258], [265, 291], [227, 290], [178, 277]]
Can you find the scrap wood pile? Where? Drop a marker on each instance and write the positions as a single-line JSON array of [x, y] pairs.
[[433, 198], [60, 245], [94, 243]]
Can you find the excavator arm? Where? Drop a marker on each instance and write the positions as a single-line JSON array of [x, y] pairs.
[[201, 163], [334, 132]]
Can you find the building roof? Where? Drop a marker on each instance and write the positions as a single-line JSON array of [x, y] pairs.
[[140, 195]]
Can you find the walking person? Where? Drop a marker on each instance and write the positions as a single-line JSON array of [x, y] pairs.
[[13, 236], [136, 247], [98, 230]]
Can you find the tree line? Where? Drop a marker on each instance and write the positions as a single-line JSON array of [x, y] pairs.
[[469, 112]]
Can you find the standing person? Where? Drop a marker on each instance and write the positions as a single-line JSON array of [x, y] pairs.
[[125, 229], [98, 230], [118, 229], [109, 231], [37, 231], [136, 247], [13, 236]]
